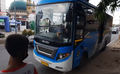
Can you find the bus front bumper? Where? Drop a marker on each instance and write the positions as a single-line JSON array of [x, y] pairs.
[[60, 66]]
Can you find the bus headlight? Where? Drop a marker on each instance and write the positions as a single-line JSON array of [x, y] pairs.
[[62, 56]]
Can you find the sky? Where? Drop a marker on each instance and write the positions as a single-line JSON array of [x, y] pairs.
[[116, 15]]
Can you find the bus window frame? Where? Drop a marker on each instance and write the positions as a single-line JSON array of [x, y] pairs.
[[77, 14]]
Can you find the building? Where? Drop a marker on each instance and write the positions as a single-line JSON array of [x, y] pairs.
[[2, 8], [30, 7], [3, 5], [23, 10], [2, 12]]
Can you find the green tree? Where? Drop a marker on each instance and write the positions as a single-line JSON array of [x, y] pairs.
[[105, 5], [25, 33], [30, 32]]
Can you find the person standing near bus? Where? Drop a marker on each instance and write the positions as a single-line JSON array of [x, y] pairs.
[[17, 46]]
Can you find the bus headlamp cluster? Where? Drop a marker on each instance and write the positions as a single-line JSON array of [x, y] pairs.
[[62, 56]]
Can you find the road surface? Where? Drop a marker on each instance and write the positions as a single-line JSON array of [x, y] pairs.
[[114, 36]]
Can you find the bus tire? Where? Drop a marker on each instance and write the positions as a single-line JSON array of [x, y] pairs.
[[105, 45], [83, 60]]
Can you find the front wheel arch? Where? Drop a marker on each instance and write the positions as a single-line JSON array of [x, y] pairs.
[[104, 46], [83, 59]]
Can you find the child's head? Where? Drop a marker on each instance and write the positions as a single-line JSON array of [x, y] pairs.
[[17, 46]]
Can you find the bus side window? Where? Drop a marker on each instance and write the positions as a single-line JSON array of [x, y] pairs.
[[80, 21], [91, 22], [79, 27]]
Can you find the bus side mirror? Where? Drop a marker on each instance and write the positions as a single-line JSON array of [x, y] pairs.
[[69, 16]]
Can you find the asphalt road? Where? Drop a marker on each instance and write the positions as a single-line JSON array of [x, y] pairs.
[[114, 36], [4, 57]]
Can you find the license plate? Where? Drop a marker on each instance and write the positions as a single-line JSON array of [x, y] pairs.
[[44, 63]]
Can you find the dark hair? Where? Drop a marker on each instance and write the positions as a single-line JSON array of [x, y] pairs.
[[16, 45]]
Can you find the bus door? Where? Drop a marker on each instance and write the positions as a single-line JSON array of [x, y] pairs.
[[79, 38]]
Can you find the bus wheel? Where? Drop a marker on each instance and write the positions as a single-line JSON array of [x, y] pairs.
[[104, 48], [83, 60]]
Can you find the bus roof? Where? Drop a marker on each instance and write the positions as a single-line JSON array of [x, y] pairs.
[[55, 1]]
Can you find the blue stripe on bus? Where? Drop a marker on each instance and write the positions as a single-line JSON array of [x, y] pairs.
[[89, 43], [53, 1]]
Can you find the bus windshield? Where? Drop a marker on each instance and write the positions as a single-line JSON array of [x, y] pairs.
[[51, 22]]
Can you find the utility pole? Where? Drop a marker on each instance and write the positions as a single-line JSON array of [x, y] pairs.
[[15, 18]]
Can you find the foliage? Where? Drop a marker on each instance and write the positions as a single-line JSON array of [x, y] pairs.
[[103, 6], [30, 32], [25, 33]]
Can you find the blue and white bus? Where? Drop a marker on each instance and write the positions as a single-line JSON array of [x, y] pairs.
[[67, 33]]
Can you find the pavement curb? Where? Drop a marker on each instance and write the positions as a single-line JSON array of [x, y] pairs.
[[113, 41]]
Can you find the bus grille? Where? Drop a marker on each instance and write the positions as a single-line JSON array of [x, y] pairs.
[[45, 51]]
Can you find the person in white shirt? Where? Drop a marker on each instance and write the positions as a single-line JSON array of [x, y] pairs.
[[17, 47]]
